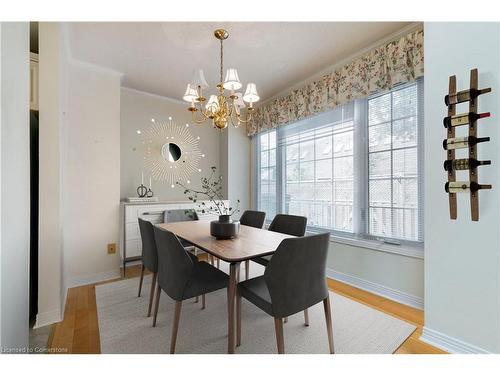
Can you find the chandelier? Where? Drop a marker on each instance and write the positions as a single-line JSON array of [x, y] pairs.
[[221, 108]]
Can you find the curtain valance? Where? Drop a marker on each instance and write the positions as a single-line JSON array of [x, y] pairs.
[[399, 61]]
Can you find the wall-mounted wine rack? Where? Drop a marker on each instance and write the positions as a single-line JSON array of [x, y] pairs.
[[451, 143]]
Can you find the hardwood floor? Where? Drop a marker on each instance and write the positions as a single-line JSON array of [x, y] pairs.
[[79, 331]]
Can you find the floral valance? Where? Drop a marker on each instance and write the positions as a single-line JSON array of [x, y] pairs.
[[399, 61]]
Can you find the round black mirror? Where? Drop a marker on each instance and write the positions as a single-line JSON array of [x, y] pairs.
[[171, 152]]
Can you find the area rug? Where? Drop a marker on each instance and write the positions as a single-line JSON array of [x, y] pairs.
[[124, 327]]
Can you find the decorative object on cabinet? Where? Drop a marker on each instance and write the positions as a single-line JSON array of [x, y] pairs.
[[451, 143], [171, 152], [143, 191], [222, 109], [130, 237], [211, 187]]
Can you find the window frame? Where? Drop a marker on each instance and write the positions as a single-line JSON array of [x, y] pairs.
[[360, 207]]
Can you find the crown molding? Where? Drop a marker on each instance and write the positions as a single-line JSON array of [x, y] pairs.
[[67, 53]]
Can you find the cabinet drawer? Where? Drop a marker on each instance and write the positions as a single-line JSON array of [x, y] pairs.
[[133, 248], [132, 231], [130, 214]]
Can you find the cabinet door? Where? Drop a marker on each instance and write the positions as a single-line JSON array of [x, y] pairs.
[[33, 85], [134, 248]]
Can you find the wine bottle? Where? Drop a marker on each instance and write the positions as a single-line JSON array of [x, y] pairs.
[[464, 96], [464, 187], [463, 119], [463, 164], [462, 142]]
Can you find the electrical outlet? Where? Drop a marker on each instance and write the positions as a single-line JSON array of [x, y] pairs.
[[111, 248]]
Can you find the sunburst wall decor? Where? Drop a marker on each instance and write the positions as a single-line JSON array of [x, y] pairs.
[[171, 152]]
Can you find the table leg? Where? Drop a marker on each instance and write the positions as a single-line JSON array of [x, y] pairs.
[[234, 269]]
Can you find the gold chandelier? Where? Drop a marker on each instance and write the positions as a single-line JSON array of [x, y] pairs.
[[221, 108]]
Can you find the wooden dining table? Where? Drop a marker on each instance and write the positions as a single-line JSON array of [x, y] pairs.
[[249, 244]]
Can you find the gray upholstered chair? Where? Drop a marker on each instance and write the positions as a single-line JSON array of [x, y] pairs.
[[293, 281], [252, 219], [149, 257], [173, 216], [181, 278], [287, 224]]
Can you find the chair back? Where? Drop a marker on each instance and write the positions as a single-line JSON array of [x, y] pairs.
[[174, 264], [149, 251], [173, 216], [296, 274], [253, 218], [289, 224]]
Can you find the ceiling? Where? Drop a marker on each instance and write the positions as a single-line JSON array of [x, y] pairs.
[[160, 57]]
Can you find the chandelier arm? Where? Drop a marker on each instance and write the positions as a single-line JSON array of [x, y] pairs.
[[201, 120], [248, 118]]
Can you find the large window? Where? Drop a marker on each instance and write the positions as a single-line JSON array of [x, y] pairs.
[[354, 170]]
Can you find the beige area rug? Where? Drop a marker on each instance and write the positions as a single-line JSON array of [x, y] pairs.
[[124, 327]]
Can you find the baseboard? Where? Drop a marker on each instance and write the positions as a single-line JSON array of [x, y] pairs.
[[92, 278], [48, 317], [379, 289], [449, 344]]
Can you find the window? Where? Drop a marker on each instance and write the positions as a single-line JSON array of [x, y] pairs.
[[319, 171], [393, 165], [267, 173], [354, 170]]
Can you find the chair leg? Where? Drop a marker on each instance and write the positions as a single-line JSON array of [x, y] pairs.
[[278, 325], [247, 269], [306, 317], [285, 319], [203, 302], [218, 263], [152, 293], [328, 317], [157, 303], [238, 318], [211, 259], [141, 279], [196, 299], [175, 326]]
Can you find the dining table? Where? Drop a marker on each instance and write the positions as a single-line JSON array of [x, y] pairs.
[[250, 243]]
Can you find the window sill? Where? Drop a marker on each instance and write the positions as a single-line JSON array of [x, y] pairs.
[[404, 250]]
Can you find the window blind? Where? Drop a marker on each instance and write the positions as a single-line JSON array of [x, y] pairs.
[[355, 170]]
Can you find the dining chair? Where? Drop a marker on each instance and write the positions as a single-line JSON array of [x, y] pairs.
[[173, 216], [294, 280], [181, 278], [252, 219], [286, 224], [150, 258]]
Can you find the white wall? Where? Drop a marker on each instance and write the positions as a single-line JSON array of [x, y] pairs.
[[14, 198], [137, 110], [237, 156], [91, 173], [462, 258], [51, 76]]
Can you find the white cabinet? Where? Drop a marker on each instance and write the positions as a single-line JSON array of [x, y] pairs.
[[33, 81], [130, 235]]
